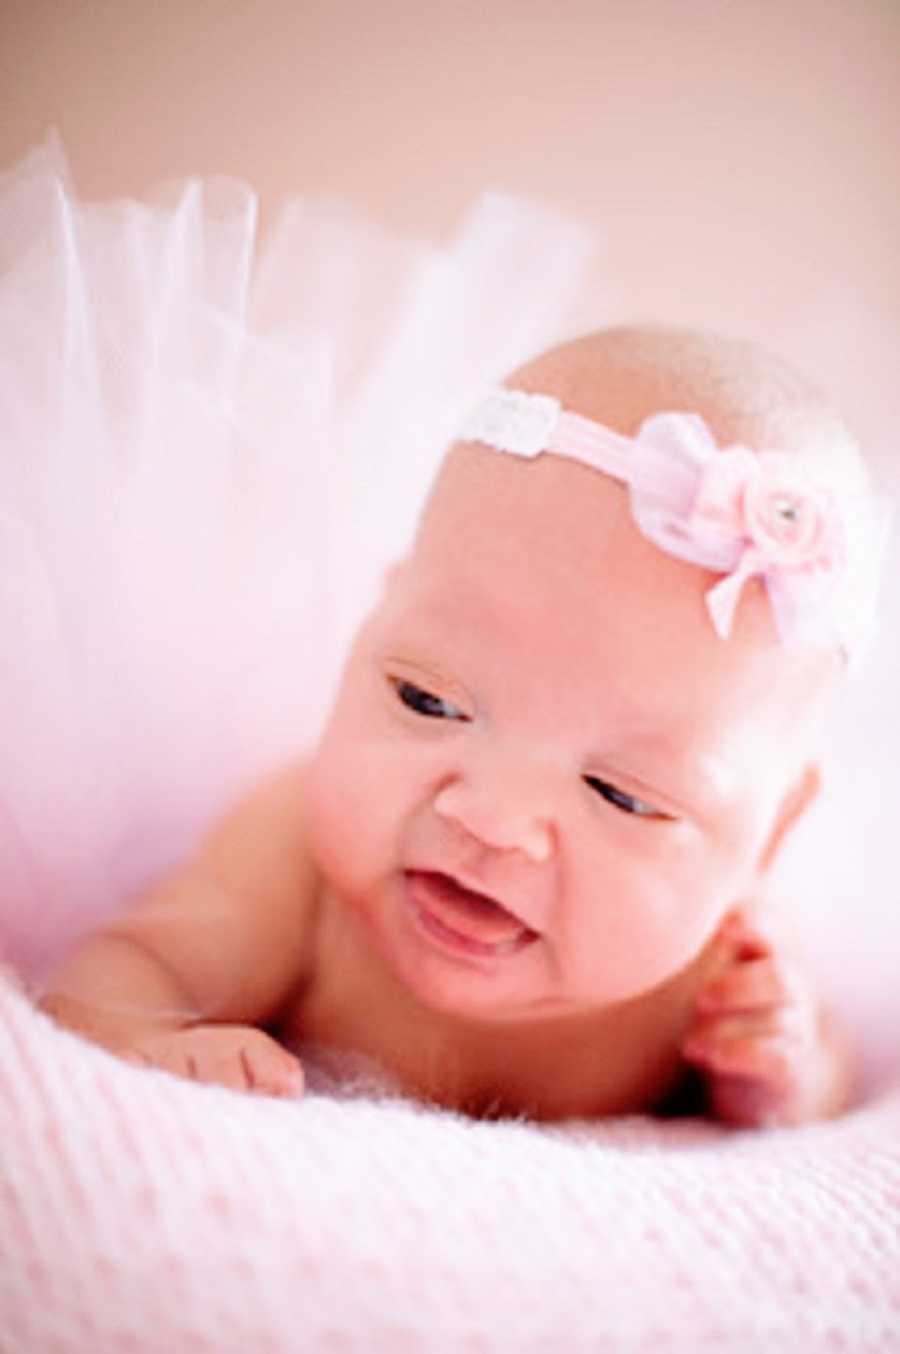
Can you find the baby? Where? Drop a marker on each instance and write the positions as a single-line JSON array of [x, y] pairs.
[[519, 871]]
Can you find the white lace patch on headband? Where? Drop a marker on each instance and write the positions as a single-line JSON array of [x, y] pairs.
[[817, 547]]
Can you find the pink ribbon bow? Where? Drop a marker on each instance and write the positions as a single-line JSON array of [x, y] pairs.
[[740, 513]]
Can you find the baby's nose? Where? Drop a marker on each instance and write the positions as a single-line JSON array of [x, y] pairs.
[[512, 821]]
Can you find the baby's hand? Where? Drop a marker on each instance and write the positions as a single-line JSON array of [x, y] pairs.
[[758, 1037], [238, 1056]]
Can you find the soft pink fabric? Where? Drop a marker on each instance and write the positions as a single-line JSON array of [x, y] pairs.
[[143, 1214]]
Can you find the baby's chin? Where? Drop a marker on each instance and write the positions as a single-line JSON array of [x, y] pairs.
[[453, 976]]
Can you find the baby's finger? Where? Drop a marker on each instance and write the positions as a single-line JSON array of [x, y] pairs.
[[168, 1053], [237, 1057], [241, 1058], [794, 1021], [270, 1069], [749, 936], [214, 1067], [748, 986], [752, 1102], [772, 1059]]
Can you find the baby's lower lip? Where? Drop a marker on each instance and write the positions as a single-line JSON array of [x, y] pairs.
[[462, 920]]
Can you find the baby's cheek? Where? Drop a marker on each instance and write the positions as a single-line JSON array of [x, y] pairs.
[[650, 920], [333, 809], [350, 812]]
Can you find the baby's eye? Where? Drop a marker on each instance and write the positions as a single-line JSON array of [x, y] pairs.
[[639, 808], [426, 703]]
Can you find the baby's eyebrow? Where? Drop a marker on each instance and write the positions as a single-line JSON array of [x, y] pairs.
[[471, 607]]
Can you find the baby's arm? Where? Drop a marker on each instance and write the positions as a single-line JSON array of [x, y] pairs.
[[768, 1052], [183, 979]]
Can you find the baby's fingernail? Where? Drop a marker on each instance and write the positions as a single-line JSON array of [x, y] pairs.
[[735, 930]]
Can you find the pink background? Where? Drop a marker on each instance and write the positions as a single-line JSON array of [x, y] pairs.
[[737, 160]]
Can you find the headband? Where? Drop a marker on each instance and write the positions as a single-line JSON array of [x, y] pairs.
[[817, 547]]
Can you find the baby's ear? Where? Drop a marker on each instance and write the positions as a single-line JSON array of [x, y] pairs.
[[793, 806]]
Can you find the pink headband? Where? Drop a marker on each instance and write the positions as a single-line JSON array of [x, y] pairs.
[[818, 549]]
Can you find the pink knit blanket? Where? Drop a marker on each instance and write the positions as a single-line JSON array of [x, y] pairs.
[[139, 1213]]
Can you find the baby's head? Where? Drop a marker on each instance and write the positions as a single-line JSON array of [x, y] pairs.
[[548, 776]]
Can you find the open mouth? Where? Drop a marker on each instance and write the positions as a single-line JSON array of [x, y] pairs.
[[462, 919]]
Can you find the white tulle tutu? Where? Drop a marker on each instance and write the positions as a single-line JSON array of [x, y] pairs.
[[210, 451]]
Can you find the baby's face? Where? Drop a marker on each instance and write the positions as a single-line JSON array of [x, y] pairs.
[[546, 778]]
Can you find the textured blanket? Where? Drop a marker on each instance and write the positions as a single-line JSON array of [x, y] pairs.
[[139, 1213]]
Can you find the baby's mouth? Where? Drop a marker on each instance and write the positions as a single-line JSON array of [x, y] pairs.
[[464, 919]]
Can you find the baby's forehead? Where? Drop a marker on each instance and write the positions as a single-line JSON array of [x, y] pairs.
[[488, 508], [549, 549]]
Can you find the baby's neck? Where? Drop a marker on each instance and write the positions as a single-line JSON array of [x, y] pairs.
[[618, 1060]]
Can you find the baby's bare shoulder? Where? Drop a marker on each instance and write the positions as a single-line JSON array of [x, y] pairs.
[[237, 921], [261, 840]]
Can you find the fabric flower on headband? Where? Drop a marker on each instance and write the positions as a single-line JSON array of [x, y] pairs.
[[740, 513]]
